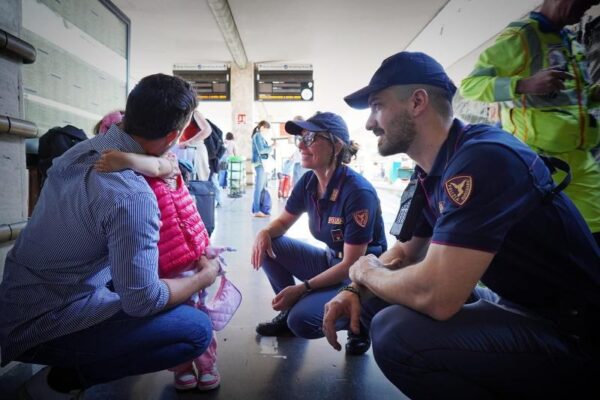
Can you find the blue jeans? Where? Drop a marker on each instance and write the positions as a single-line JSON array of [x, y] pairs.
[[260, 181], [214, 177], [123, 345], [488, 350], [223, 178], [303, 261]]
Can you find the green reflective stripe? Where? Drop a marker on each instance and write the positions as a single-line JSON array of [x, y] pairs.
[[483, 71], [517, 24], [502, 89], [562, 99], [535, 49]]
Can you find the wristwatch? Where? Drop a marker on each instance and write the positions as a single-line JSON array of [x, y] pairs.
[[307, 286]]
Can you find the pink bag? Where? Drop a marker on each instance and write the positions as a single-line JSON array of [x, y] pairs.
[[221, 306], [224, 302]]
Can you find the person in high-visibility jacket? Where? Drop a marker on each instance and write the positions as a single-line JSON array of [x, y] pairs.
[[537, 70]]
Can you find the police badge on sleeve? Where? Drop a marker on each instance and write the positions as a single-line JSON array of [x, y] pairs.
[[361, 217], [459, 189]]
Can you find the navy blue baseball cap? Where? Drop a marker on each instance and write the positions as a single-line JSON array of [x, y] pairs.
[[404, 68], [321, 122]]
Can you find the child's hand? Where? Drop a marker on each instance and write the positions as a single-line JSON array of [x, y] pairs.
[[111, 161], [209, 268]]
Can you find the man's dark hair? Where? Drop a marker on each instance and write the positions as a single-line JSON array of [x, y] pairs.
[[158, 105]]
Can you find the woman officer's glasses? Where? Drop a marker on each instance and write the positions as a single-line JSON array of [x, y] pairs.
[[308, 138]]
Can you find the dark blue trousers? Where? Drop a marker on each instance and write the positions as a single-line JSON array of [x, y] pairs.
[[488, 350], [297, 259], [123, 345]]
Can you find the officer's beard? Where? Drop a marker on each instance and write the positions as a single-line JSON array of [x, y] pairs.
[[399, 136]]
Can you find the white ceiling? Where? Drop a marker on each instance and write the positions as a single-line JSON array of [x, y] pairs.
[[345, 40]]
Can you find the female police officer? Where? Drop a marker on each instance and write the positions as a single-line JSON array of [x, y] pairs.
[[344, 212]]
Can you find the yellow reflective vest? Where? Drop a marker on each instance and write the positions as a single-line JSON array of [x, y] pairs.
[[552, 123]]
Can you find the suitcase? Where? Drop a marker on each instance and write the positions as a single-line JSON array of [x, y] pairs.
[[204, 193], [285, 182]]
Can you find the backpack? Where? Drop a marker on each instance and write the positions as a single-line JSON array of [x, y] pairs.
[[54, 143], [215, 147]]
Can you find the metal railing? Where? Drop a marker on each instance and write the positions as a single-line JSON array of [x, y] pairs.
[[17, 47], [10, 232], [18, 127]]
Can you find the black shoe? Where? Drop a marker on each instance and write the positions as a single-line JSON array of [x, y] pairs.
[[277, 327], [357, 345]]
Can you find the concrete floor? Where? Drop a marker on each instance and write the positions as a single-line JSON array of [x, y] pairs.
[[254, 367]]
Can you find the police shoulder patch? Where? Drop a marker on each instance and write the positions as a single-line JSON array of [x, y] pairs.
[[361, 217], [459, 188]]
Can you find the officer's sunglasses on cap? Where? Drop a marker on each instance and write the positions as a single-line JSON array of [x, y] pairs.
[[309, 137]]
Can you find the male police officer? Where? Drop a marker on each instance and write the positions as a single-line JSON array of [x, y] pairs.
[[489, 212]]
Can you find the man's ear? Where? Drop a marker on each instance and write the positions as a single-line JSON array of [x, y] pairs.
[[172, 136], [420, 102]]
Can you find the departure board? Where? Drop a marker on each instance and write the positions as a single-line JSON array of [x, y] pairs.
[[283, 82], [211, 81]]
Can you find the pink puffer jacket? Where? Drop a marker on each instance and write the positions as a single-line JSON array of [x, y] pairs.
[[183, 236]]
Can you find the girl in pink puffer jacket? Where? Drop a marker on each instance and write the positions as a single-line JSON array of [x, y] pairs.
[[183, 239]]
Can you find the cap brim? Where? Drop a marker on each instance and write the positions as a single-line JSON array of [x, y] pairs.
[[296, 127], [360, 98]]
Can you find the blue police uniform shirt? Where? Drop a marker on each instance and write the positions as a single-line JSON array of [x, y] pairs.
[[488, 191], [349, 212]]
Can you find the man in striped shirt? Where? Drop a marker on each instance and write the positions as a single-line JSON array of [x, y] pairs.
[[81, 291]]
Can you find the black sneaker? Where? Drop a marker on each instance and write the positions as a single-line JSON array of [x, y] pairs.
[[277, 327], [357, 345]]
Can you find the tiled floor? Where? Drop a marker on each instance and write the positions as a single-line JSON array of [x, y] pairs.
[[254, 367]]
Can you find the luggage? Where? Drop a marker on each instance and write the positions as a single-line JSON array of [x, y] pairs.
[[204, 193], [54, 143], [285, 183]]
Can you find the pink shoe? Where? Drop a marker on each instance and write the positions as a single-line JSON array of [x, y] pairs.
[[206, 364], [209, 380], [186, 379]]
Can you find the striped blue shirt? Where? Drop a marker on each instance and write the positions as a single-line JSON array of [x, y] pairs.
[[86, 229]]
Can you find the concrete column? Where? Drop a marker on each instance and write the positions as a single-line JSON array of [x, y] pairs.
[[13, 172], [242, 104]]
